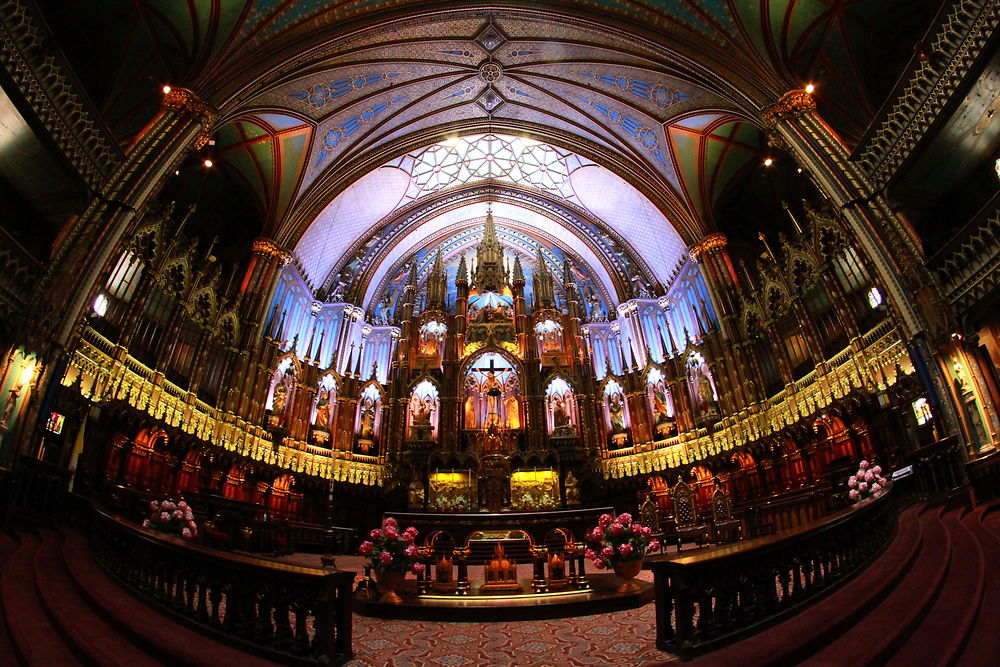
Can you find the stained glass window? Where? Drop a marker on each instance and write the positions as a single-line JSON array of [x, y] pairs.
[[489, 156]]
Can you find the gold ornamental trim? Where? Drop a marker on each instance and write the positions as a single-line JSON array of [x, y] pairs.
[[709, 243], [270, 249], [186, 101], [793, 103]]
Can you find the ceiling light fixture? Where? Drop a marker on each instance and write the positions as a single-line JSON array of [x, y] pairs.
[[208, 162], [810, 88], [768, 161], [166, 89]]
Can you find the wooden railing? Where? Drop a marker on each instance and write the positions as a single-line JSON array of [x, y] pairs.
[[35, 491], [938, 467], [718, 596], [286, 613], [766, 517], [984, 473]]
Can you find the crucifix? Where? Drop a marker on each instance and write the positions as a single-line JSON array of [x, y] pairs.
[[492, 388]]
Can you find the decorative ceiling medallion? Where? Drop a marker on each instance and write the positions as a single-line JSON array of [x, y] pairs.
[[490, 71], [490, 100], [490, 38]]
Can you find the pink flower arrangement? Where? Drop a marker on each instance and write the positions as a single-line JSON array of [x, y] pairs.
[[618, 539], [390, 550], [867, 482], [169, 517]]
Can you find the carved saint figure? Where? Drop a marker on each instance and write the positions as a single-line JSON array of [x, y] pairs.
[[616, 411], [280, 401], [323, 409], [572, 492], [422, 411], [705, 391], [428, 342], [470, 413], [660, 401], [367, 421], [560, 416]]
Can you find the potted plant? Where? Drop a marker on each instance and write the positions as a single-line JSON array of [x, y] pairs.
[[176, 519], [392, 554], [867, 482], [620, 544]]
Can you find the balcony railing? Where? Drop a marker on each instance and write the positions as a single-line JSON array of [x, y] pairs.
[[715, 597], [291, 614]]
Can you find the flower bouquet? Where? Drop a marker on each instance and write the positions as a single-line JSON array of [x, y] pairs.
[[620, 544], [391, 555], [545, 502], [167, 516], [868, 482]]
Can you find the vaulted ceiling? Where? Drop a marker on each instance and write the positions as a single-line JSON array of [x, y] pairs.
[[315, 95]]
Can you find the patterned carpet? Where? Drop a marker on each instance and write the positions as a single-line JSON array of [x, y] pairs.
[[617, 638]]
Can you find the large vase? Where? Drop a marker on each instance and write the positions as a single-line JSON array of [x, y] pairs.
[[628, 570], [389, 581]]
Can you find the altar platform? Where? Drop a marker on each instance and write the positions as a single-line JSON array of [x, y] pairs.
[[462, 526], [605, 595]]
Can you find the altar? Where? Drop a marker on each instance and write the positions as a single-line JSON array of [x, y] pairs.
[[503, 566], [574, 523]]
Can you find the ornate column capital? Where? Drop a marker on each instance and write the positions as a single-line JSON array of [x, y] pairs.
[[186, 101], [269, 248], [708, 244], [792, 104]]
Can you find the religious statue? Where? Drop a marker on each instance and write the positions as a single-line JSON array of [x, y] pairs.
[[705, 391], [323, 409], [8, 408], [280, 394], [616, 410], [416, 495], [367, 421], [492, 442], [492, 389], [510, 408], [660, 401], [560, 417], [428, 342], [422, 413], [572, 491], [470, 413], [596, 307], [278, 403]]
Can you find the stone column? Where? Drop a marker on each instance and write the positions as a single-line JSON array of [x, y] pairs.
[[912, 289], [259, 282], [183, 124]]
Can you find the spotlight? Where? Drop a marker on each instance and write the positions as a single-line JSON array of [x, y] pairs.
[[799, 170], [768, 162], [166, 89], [810, 88], [208, 163], [177, 172]]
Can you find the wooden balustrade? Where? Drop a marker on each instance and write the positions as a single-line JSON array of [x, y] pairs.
[[288, 613], [718, 596], [776, 515], [34, 491], [984, 474], [938, 467]]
